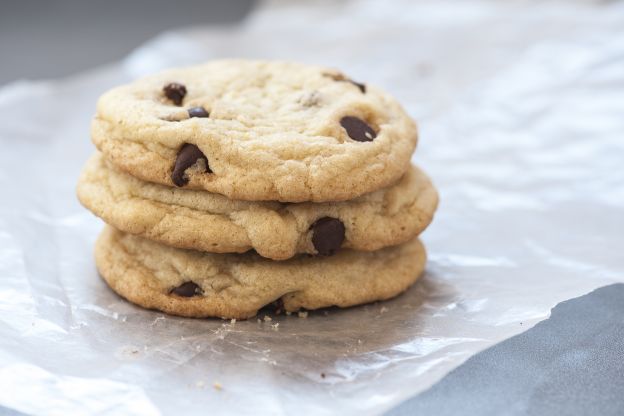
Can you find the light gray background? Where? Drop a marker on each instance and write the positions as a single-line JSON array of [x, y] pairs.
[[47, 39]]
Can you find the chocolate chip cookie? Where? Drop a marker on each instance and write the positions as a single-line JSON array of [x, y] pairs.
[[195, 284], [257, 130], [210, 222]]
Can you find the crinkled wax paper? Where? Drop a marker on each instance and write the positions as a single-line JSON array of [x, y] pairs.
[[521, 113]]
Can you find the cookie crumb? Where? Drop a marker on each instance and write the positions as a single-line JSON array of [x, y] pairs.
[[259, 321], [267, 318], [217, 386], [233, 321], [303, 314], [275, 326], [383, 309], [288, 313], [359, 342], [158, 318]]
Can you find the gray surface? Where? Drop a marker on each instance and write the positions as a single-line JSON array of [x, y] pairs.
[[570, 364], [46, 39]]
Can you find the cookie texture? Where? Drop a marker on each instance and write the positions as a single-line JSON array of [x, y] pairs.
[[260, 131], [196, 284], [210, 222]]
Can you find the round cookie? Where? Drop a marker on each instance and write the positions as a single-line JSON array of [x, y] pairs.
[[257, 130], [210, 222], [196, 284]]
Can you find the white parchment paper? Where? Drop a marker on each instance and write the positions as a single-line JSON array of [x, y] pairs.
[[521, 113]]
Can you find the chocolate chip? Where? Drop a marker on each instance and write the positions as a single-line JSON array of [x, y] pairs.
[[187, 156], [342, 77], [279, 306], [361, 86], [187, 290], [198, 112], [327, 235], [175, 92], [357, 129]]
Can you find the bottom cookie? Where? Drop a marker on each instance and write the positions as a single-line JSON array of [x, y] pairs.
[[197, 284]]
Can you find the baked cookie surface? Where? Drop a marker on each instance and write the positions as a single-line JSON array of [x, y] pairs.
[[257, 130], [195, 284], [210, 222]]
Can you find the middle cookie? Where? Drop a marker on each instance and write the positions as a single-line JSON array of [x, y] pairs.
[[210, 222]]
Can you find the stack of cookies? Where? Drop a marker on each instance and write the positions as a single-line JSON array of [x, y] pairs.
[[237, 184]]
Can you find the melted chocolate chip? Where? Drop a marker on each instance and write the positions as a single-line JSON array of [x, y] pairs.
[[198, 112], [341, 77], [187, 156], [361, 86], [187, 290], [357, 129], [175, 92], [327, 235], [279, 306], [336, 76]]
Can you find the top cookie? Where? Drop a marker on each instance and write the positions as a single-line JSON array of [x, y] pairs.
[[257, 130]]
